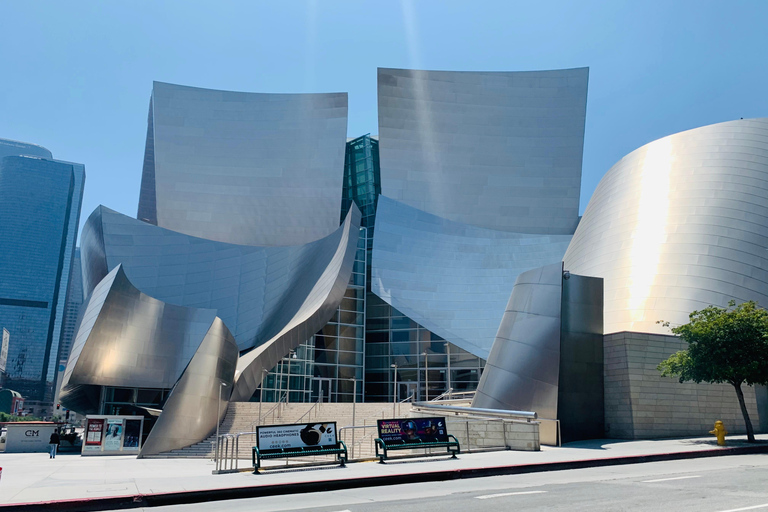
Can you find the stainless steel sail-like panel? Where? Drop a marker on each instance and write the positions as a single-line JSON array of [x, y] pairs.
[[679, 224], [244, 168], [452, 278], [497, 150]]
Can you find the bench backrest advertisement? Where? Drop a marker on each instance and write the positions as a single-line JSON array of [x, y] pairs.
[[300, 435], [413, 430]]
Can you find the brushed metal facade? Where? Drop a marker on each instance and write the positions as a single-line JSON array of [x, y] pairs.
[[498, 150], [452, 278], [256, 291], [292, 326], [679, 224], [522, 372], [548, 354], [126, 338], [244, 168]]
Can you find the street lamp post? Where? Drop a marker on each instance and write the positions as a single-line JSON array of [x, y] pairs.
[[394, 391], [354, 403], [222, 385], [426, 374], [261, 393], [448, 353]]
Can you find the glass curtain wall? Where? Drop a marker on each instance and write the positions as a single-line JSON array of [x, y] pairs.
[[395, 343]]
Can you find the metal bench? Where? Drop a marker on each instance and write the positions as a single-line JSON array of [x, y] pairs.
[[414, 434], [297, 440], [340, 450], [451, 446]]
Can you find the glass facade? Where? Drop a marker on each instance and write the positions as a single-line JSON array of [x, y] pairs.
[[39, 217], [395, 343]]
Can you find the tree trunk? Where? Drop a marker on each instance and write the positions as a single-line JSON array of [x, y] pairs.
[[740, 394]]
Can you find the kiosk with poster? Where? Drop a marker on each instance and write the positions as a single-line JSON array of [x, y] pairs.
[[112, 435]]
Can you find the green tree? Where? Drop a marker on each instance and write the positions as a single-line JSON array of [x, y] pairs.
[[724, 345]]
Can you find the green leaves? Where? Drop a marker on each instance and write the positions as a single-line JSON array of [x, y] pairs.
[[724, 345]]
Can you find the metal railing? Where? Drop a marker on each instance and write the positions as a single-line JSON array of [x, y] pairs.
[[314, 407]]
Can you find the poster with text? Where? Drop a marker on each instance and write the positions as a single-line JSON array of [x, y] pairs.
[[413, 430], [114, 437], [275, 437], [93, 432]]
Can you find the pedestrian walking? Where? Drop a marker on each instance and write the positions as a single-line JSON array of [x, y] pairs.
[[54, 442]]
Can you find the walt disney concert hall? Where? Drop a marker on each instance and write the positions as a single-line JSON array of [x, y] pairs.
[[444, 253]]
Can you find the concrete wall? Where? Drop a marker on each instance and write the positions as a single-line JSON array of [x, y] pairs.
[[476, 434], [640, 404]]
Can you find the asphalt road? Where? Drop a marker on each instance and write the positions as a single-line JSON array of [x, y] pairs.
[[718, 484]]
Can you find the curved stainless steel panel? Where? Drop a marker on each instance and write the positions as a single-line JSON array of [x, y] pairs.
[[679, 224], [452, 278], [256, 291], [523, 368], [190, 414], [127, 338], [296, 325], [498, 150], [244, 168]]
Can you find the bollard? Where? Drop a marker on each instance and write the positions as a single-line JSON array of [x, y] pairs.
[[1, 473], [720, 432]]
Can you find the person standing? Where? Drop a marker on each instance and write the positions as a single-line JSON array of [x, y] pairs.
[[54, 442]]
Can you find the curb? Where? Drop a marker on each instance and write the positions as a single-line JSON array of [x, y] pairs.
[[190, 497]]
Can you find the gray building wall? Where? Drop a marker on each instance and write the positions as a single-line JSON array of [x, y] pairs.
[[641, 404], [499, 150], [244, 168]]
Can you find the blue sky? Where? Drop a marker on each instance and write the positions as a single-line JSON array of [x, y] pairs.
[[76, 77]]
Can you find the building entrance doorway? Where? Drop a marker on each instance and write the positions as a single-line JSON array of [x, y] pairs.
[[321, 390]]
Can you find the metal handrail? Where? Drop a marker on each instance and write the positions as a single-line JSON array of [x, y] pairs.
[[470, 411], [271, 411], [312, 407], [355, 443], [442, 395], [409, 398]]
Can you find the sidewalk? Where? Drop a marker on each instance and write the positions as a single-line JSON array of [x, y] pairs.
[[34, 482]]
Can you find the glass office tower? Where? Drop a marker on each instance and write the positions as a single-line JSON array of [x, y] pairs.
[[39, 217]]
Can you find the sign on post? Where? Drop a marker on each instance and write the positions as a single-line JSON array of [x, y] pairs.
[[413, 430], [302, 435]]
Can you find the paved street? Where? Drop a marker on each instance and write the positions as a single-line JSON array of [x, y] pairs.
[[716, 484]]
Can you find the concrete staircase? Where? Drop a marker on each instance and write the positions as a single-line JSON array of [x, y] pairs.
[[244, 417]]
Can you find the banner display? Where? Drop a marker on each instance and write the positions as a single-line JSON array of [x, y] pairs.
[[112, 435], [412, 430], [114, 438], [302, 435], [132, 434], [93, 434]]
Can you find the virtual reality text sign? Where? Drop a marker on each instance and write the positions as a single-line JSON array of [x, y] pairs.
[[413, 430]]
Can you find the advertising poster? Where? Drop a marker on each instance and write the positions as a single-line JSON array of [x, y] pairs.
[[93, 434], [413, 430], [132, 434], [303, 435], [114, 438]]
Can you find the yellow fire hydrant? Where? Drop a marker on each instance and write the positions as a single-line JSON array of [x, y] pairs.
[[720, 432]]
